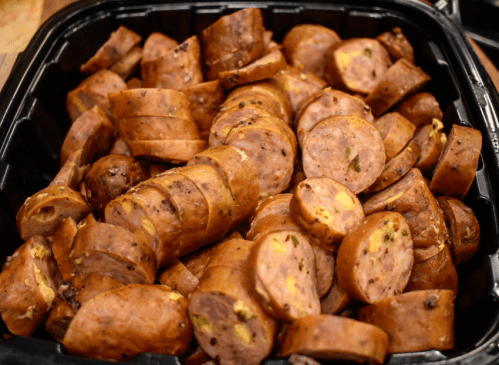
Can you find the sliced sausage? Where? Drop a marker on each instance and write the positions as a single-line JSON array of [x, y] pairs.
[[325, 209], [169, 150], [328, 103], [347, 339], [276, 204], [463, 227], [305, 45], [178, 278], [437, 272], [157, 45], [157, 128], [397, 45], [113, 251], [336, 300], [375, 258], [239, 174], [271, 223], [431, 140], [146, 318], [411, 197], [72, 172], [134, 83], [62, 241], [233, 41], [407, 317], [324, 268], [128, 64], [457, 165], [347, 149], [46, 210], [396, 132], [116, 47], [284, 275], [401, 79], [196, 262], [421, 108], [259, 69], [28, 285], [396, 168], [356, 65]]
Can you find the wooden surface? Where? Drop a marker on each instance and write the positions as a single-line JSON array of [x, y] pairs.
[[19, 20]]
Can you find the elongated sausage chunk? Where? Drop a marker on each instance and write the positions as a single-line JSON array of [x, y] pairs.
[[421, 108], [115, 48], [396, 132], [305, 45], [375, 258], [93, 91], [437, 272], [457, 165], [233, 41], [356, 65], [113, 251], [259, 69], [46, 210], [346, 339], [401, 79], [271, 145], [397, 45], [397, 167], [28, 285], [239, 174], [144, 318], [229, 323], [328, 103], [407, 317], [411, 197], [284, 275], [176, 69], [431, 140], [347, 149], [325, 209]]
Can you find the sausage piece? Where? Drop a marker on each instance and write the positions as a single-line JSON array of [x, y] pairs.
[[177, 277], [72, 172], [347, 339], [407, 317], [28, 285], [375, 258], [431, 140], [325, 209], [145, 318], [396, 132], [397, 45], [62, 241], [421, 108], [457, 165], [347, 149], [128, 64], [157, 45], [168, 150], [284, 275], [463, 227]]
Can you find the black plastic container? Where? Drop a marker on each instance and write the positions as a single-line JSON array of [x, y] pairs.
[[33, 123]]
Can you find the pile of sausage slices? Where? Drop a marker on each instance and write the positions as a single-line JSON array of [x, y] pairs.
[[245, 199]]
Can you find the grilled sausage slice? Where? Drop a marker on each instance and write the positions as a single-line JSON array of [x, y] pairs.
[[421, 108], [110, 250], [325, 209], [146, 318], [457, 165], [347, 339], [338, 148], [407, 317], [375, 258], [463, 227], [328, 103], [411, 197], [356, 65], [46, 210], [305, 45], [284, 275]]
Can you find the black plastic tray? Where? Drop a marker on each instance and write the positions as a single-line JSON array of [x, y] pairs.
[[33, 123]]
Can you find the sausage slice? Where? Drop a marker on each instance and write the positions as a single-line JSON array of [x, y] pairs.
[[397, 45], [431, 140], [421, 108], [396, 132]]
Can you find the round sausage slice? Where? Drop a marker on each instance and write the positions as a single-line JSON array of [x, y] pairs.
[[457, 165], [284, 275], [396, 132], [325, 209], [407, 317], [328, 103], [276, 204], [375, 258], [145, 318], [347, 149], [464, 230], [324, 268], [346, 339]]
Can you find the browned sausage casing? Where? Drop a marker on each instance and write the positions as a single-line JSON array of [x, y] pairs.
[[407, 318], [375, 258], [28, 285], [144, 318], [346, 339]]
